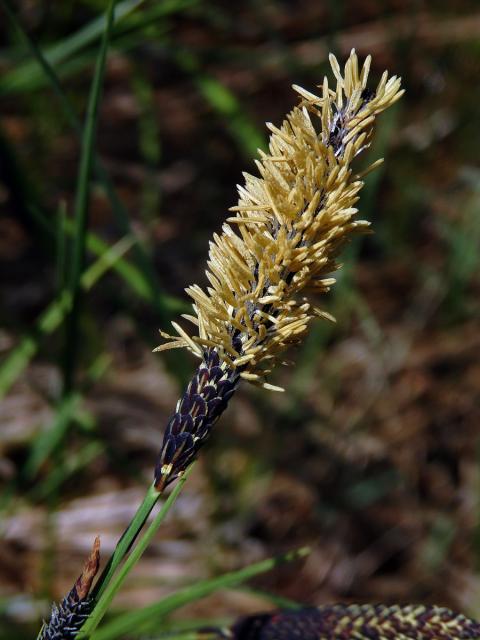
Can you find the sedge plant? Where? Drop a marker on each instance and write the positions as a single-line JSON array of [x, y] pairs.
[[274, 256]]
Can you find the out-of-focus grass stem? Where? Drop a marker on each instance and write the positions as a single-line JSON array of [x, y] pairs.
[[147, 271], [82, 206]]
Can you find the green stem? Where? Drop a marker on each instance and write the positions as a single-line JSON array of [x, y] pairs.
[[126, 541], [109, 588]]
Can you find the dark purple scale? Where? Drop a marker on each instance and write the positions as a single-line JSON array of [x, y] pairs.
[[185, 405], [201, 405], [168, 449], [193, 385], [174, 425], [213, 406], [209, 391], [215, 374], [67, 618]]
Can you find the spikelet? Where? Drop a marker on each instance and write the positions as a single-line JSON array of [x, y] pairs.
[[205, 399], [290, 223], [356, 622], [68, 617]]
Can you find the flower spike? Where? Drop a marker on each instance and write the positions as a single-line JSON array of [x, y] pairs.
[[289, 225], [280, 247], [353, 622]]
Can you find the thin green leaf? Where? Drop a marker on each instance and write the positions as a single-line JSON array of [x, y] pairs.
[[52, 317], [243, 129], [143, 279], [48, 440], [224, 102], [82, 204], [132, 275], [117, 580], [128, 538], [68, 467], [27, 76], [68, 409], [278, 601], [128, 622], [171, 628], [61, 242]]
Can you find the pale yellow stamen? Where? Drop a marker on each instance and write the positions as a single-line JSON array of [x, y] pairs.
[[289, 226]]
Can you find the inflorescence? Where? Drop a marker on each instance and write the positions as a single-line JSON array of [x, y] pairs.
[[291, 223], [279, 248], [68, 617], [356, 622]]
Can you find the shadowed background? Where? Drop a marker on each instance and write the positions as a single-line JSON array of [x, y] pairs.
[[371, 455]]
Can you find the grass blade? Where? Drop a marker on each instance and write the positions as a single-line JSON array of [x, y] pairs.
[[68, 467], [27, 76], [224, 102], [69, 408], [48, 440], [128, 538], [129, 272], [145, 278], [128, 622], [82, 204], [53, 316], [111, 589]]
